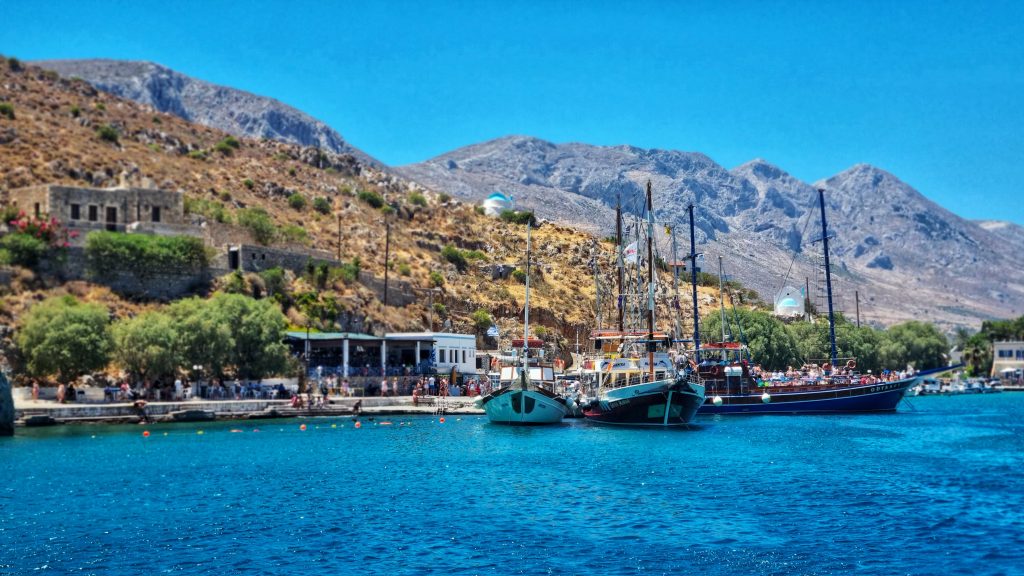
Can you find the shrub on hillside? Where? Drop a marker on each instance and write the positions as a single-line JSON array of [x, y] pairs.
[[455, 256], [210, 209], [248, 183], [322, 205], [436, 279], [108, 133], [417, 199], [15, 65], [7, 109], [292, 234], [517, 217], [371, 198], [257, 222], [481, 319], [297, 201], [227, 146]]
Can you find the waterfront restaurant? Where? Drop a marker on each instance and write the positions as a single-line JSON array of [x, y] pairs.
[[352, 354]]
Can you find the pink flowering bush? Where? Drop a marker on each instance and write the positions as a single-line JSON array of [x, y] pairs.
[[30, 238]]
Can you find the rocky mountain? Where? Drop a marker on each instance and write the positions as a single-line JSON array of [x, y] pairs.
[[233, 111], [64, 131], [903, 255]]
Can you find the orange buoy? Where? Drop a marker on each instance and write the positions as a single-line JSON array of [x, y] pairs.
[[441, 420], [302, 427], [145, 433], [358, 424], [385, 423]]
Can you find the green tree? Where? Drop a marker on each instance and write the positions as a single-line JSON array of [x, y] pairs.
[[770, 344], [257, 329], [65, 338], [918, 344], [147, 346], [204, 339]]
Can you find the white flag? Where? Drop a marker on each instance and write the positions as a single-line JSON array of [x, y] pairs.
[[630, 254]]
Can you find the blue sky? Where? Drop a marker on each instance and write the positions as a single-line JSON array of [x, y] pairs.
[[930, 91]]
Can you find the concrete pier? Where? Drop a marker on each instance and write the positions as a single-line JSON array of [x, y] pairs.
[[44, 412]]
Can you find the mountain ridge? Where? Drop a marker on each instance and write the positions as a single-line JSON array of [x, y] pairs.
[[234, 111], [764, 220]]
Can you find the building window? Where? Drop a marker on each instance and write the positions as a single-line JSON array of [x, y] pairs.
[[37, 210], [463, 356], [76, 212], [1020, 354], [156, 213], [440, 355]]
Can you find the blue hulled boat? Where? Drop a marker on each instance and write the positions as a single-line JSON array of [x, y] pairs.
[[834, 387]]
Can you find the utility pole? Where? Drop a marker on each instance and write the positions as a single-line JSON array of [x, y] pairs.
[[856, 296], [807, 297], [387, 255], [339, 236]]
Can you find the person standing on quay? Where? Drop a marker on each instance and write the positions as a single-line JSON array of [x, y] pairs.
[[60, 393], [35, 391]]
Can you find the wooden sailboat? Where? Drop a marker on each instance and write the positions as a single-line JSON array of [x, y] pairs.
[[525, 394], [643, 388], [836, 387]]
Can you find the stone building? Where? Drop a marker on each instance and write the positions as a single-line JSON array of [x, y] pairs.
[[122, 209]]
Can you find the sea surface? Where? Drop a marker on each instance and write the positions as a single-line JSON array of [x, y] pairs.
[[937, 488]]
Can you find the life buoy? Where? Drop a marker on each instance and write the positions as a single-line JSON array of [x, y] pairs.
[[851, 364]]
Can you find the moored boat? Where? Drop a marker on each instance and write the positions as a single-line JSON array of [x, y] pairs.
[[525, 394], [833, 387], [637, 385]]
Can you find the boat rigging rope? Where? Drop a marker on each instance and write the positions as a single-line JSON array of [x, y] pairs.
[[807, 222]]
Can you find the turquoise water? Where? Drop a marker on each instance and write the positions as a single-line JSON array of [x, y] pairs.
[[936, 490]]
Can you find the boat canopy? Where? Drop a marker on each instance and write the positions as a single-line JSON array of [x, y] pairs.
[[532, 343]]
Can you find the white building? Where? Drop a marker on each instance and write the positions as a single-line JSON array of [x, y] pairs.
[[446, 350], [789, 302], [497, 203], [1008, 360]]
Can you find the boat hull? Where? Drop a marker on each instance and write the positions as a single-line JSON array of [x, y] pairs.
[[664, 404], [879, 397], [524, 408]]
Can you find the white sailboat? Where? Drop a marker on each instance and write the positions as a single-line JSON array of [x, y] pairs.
[[526, 392]]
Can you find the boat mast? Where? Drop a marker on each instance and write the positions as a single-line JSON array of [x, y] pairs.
[[650, 282], [721, 297], [597, 286], [828, 277], [678, 332], [526, 315], [693, 282], [618, 253]]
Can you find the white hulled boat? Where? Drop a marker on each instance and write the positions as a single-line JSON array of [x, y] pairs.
[[526, 392]]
